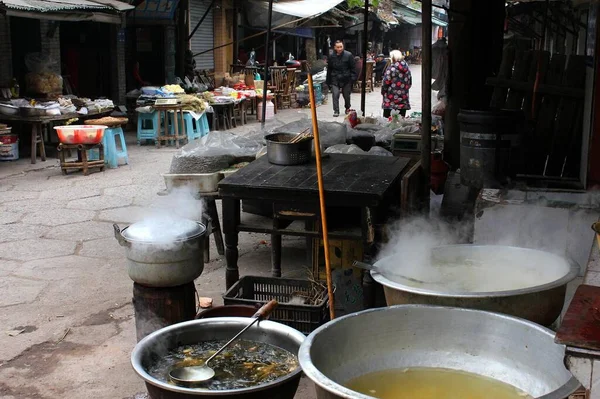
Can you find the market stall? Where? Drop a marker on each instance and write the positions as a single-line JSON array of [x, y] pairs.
[[43, 114]]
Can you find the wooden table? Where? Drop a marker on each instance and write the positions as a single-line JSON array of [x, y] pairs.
[[369, 185], [39, 123], [178, 130]]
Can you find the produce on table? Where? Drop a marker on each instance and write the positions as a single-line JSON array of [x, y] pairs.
[[44, 82], [192, 103], [173, 88]]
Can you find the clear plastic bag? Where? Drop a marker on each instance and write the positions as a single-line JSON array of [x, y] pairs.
[[379, 151], [41, 78], [344, 149], [214, 152]]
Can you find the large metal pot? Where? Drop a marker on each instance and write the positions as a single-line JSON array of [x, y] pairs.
[[157, 344], [540, 303], [505, 348], [159, 258]]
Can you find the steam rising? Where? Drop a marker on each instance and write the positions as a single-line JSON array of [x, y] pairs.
[[168, 217], [411, 258]]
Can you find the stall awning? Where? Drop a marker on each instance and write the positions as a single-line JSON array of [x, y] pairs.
[[299, 32], [67, 10], [304, 8]]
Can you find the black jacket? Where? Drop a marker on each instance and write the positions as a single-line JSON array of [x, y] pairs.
[[341, 69]]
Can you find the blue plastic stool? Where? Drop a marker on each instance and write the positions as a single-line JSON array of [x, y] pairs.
[[147, 126], [111, 153], [203, 123]]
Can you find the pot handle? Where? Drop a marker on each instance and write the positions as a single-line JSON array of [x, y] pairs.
[[363, 265], [122, 241]]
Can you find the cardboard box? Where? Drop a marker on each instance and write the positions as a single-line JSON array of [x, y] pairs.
[[342, 253]]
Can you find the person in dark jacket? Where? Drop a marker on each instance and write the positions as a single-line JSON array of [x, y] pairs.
[[341, 74]]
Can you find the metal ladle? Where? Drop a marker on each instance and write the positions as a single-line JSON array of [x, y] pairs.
[[369, 267], [195, 374]]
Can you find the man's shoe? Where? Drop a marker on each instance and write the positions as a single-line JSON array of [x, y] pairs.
[[336, 114], [347, 111]]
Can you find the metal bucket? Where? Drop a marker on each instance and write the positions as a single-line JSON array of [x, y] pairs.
[[157, 344], [281, 152], [489, 146], [504, 348]]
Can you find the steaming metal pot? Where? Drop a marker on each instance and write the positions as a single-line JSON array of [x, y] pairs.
[[160, 258]]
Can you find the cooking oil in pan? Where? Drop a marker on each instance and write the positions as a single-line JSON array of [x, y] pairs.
[[432, 383]]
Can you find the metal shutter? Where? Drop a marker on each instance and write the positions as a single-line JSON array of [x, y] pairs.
[[203, 39]]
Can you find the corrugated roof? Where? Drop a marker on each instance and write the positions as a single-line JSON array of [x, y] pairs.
[[45, 6]]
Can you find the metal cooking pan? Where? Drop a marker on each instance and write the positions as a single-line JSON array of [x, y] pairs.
[[540, 302]]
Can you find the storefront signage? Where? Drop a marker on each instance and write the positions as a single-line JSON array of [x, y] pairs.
[[156, 9]]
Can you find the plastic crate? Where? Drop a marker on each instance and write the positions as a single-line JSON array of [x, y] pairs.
[[252, 290]]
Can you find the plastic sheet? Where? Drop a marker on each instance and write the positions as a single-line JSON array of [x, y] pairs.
[[354, 149], [330, 133], [214, 152], [41, 78]]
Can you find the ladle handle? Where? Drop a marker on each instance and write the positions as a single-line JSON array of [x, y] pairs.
[[363, 265], [266, 310], [263, 312]]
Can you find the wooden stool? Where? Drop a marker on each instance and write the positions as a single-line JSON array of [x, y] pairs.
[[82, 162], [164, 134]]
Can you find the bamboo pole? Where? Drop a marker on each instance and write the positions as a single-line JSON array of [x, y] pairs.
[[426, 102], [315, 127], [267, 61]]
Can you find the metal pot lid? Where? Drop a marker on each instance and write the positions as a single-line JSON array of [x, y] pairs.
[[163, 229]]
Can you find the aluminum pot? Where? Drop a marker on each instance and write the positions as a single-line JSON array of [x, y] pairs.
[[541, 303], [157, 344], [505, 348], [281, 152], [160, 259]]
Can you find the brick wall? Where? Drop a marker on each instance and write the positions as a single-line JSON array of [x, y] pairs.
[[6, 51], [223, 30], [117, 64], [51, 45]]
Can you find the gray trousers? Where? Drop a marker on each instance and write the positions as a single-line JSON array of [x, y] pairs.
[[335, 92]]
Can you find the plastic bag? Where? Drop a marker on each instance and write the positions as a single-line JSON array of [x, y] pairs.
[[368, 127], [379, 152], [352, 118], [364, 139], [439, 108], [41, 78], [344, 149], [214, 152], [383, 137]]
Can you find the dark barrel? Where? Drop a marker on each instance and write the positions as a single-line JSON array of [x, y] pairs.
[[489, 146]]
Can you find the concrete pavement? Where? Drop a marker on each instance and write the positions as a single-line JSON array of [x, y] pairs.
[[65, 297]]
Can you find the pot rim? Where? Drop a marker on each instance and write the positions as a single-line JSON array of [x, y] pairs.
[[201, 233], [572, 273], [329, 385], [138, 352]]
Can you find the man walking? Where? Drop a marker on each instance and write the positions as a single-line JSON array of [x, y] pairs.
[[341, 73]]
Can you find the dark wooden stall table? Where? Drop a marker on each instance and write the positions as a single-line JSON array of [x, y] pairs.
[[361, 183], [39, 123]]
